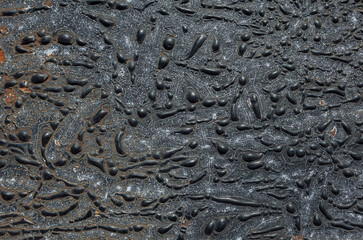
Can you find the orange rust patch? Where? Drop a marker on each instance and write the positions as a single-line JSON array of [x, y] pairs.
[[333, 131], [181, 221], [5, 77], [298, 237], [97, 213], [25, 90], [9, 96], [2, 56], [322, 102], [47, 3], [2, 30]]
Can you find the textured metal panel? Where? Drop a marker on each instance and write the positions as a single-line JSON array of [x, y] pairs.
[[181, 119]]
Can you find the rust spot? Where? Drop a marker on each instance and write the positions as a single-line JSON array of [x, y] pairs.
[[2, 30], [6, 77], [322, 102], [298, 237], [9, 96], [2, 56], [181, 221], [25, 90], [97, 213], [333, 131], [47, 3]]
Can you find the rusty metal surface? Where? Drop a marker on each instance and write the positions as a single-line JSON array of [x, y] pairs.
[[185, 119]]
